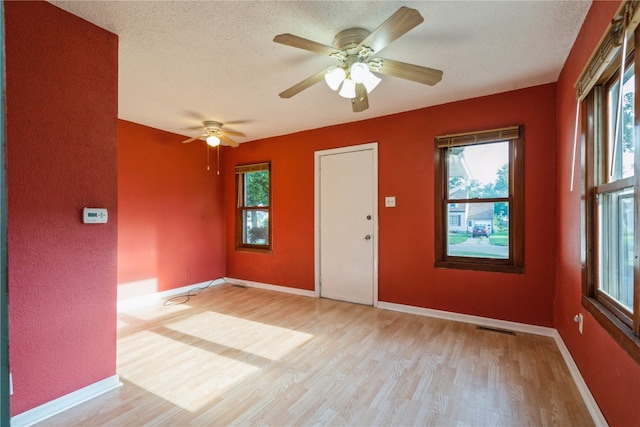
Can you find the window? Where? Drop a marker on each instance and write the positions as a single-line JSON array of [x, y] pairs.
[[479, 180], [611, 285], [253, 216]]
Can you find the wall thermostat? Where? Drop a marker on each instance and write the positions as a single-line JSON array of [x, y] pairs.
[[94, 216]]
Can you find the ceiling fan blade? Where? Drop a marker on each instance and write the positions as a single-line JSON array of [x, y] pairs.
[[228, 141], [232, 133], [361, 101], [402, 21], [194, 138], [238, 122], [302, 43], [416, 73], [306, 83], [194, 115]]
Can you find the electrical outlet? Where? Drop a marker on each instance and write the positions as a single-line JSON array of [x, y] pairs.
[[390, 202], [579, 319]]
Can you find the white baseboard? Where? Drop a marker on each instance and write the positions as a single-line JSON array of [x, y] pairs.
[[61, 404], [587, 397], [153, 298], [467, 318], [276, 288], [592, 405]]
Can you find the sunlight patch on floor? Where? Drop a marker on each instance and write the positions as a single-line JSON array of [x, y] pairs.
[[217, 351], [268, 341], [203, 375], [149, 312]]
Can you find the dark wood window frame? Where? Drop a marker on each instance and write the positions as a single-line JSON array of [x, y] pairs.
[[515, 263], [241, 171], [603, 68]]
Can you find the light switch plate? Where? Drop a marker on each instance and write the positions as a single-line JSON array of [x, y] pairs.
[[390, 202]]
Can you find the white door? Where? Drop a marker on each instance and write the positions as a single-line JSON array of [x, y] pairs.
[[346, 224]]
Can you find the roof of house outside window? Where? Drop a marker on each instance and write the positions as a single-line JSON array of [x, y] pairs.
[[479, 211]]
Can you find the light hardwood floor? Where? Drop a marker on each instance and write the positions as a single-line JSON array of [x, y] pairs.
[[235, 356]]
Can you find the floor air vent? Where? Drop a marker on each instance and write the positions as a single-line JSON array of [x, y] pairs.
[[502, 331]]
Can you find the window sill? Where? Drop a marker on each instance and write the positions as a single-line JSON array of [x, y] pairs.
[[479, 266], [254, 250], [619, 331]]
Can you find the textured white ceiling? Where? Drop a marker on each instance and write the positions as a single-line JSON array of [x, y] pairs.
[[181, 62]]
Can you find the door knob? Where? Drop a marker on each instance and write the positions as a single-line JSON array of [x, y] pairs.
[[367, 237]]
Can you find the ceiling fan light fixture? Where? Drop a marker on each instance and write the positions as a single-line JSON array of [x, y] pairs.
[[371, 81], [213, 140], [348, 89], [359, 72], [334, 76]]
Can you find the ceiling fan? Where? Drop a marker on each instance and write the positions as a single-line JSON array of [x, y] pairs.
[[214, 135], [356, 49]]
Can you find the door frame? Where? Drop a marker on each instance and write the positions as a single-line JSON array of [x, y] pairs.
[[373, 146]]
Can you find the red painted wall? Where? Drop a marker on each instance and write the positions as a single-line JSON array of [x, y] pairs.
[[61, 108], [171, 221], [406, 244], [611, 374], [61, 151]]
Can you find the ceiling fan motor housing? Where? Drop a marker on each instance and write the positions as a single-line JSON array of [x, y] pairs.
[[212, 126], [349, 39]]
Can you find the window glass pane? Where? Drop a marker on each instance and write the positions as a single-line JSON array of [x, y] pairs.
[[255, 227], [482, 232], [479, 171], [623, 152], [256, 189], [616, 233]]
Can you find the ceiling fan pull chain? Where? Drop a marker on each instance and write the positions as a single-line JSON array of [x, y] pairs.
[[218, 159], [208, 168]]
